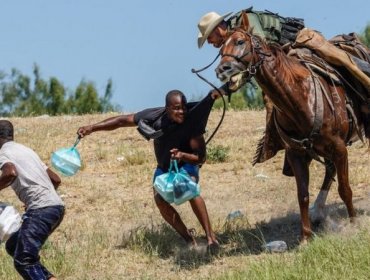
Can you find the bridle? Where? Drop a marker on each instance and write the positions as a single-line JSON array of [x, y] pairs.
[[255, 50], [250, 68]]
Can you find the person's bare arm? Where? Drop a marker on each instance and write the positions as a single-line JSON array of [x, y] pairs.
[[8, 175], [108, 124], [198, 156], [55, 179]]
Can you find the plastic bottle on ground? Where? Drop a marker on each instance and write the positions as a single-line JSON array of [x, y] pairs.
[[277, 246]]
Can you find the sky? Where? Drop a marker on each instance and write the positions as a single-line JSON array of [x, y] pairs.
[[147, 47]]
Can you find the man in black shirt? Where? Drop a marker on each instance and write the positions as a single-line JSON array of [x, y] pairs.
[[179, 135]]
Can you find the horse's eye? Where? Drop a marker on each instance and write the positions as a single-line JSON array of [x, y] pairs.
[[240, 42]]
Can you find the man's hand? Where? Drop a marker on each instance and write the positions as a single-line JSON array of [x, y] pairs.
[[224, 90], [176, 154], [84, 130]]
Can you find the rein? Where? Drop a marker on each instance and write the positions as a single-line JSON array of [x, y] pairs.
[[213, 86]]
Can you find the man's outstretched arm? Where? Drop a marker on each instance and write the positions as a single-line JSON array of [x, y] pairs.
[[107, 124]]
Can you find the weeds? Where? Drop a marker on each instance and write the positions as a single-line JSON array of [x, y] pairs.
[[217, 154]]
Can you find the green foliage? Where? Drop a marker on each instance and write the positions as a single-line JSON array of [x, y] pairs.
[[365, 36], [248, 97], [217, 153], [20, 96], [326, 258]]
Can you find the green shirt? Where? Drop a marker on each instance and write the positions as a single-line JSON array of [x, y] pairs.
[[269, 26]]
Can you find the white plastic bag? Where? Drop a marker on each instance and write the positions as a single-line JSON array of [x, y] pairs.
[[10, 221]]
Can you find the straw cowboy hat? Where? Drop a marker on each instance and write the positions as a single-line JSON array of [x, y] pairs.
[[207, 23]]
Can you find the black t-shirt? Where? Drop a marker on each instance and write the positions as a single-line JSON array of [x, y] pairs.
[[176, 135]]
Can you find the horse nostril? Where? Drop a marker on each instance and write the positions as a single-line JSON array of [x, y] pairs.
[[222, 68], [226, 67]]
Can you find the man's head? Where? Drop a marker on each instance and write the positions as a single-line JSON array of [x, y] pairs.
[[176, 106], [213, 28], [6, 131]]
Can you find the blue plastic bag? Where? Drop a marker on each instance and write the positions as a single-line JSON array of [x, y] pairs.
[[67, 161], [176, 185]]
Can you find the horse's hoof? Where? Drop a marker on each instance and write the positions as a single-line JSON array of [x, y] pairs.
[[353, 220]]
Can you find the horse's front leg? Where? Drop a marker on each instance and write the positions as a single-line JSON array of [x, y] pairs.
[[340, 160], [317, 211], [300, 166]]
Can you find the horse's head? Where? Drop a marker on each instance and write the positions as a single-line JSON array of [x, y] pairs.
[[237, 54]]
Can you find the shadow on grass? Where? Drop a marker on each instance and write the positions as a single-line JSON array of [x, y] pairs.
[[236, 236], [163, 242]]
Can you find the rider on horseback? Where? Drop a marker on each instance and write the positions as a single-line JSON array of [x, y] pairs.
[[291, 32]]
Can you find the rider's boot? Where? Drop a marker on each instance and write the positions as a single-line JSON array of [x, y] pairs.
[[315, 41]]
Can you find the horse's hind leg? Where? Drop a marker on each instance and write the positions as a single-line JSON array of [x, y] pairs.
[[317, 211], [341, 163]]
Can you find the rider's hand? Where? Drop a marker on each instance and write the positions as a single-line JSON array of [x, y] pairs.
[[84, 130]]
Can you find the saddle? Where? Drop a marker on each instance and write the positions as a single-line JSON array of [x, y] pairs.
[[352, 44]]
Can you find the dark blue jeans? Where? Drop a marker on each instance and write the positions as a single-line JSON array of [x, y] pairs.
[[25, 244]]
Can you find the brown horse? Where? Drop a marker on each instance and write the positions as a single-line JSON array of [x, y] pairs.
[[311, 116]]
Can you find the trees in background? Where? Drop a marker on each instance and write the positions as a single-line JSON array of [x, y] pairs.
[[22, 96], [365, 36]]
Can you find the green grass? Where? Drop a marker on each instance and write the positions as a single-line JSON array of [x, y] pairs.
[[325, 258], [217, 153], [113, 230]]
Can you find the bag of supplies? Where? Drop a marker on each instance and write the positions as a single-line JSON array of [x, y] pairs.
[[67, 161], [176, 185], [10, 221]]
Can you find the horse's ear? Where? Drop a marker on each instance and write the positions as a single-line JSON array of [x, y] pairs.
[[245, 22]]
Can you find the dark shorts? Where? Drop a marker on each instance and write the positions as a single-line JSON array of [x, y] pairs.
[[193, 171]]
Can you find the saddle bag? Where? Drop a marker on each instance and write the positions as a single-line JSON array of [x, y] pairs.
[[289, 29]]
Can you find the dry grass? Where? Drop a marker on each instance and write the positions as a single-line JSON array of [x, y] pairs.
[[113, 230]]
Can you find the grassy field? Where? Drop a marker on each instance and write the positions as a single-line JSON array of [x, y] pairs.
[[113, 230]]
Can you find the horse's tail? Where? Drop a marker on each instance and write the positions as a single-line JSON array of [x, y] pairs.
[[258, 155]]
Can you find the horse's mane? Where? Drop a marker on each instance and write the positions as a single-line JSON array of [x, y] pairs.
[[289, 69]]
